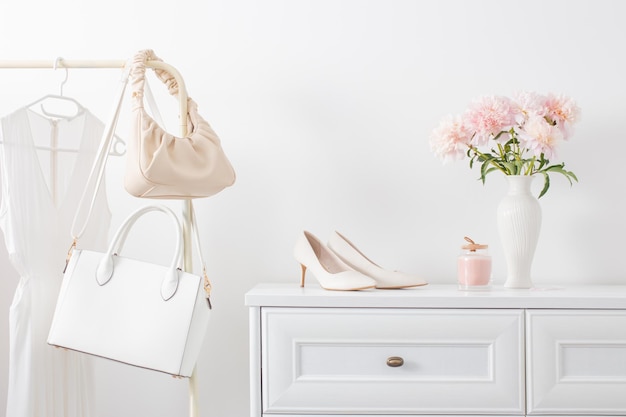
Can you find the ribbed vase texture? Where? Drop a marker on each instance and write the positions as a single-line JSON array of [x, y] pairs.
[[519, 223]]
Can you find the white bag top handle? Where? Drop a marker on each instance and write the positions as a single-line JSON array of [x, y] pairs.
[[106, 267]]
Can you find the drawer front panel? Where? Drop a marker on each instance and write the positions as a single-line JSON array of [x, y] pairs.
[[435, 361], [334, 361], [576, 362]]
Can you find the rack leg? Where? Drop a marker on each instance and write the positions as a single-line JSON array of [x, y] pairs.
[[193, 396], [188, 265]]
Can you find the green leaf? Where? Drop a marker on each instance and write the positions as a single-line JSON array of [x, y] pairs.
[[559, 169], [499, 134], [546, 184], [510, 167], [484, 170], [542, 162], [491, 169]]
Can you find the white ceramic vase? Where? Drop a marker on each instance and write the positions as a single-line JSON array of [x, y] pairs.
[[519, 223]]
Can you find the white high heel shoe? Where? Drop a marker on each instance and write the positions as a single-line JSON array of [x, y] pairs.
[[330, 271], [353, 257]]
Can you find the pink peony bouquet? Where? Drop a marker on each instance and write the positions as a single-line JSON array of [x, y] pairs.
[[516, 136]]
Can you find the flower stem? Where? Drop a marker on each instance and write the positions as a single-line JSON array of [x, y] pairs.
[[531, 166], [492, 160]]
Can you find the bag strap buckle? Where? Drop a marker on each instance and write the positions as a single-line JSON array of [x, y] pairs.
[[207, 287], [69, 254]]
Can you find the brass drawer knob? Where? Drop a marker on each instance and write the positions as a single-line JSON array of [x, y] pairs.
[[395, 361]]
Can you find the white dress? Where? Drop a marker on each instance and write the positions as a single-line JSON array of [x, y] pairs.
[[40, 193]]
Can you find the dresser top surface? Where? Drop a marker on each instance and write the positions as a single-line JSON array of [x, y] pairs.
[[441, 296]]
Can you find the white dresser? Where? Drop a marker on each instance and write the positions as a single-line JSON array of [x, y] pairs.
[[434, 350]]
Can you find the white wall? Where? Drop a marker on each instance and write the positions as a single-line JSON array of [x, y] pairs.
[[325, 108]]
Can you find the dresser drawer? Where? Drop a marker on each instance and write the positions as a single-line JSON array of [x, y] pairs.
[[341, 361], [576, 362]]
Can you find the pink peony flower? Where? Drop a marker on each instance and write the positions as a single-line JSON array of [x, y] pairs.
[[562, 111], [526, 129], [450, 139], [489, 116], [528, 103], [539, 136]]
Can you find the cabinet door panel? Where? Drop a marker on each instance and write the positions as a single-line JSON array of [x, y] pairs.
[[576, 362], [388, 361]]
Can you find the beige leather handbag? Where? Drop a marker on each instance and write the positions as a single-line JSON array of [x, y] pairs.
[[161, 165]]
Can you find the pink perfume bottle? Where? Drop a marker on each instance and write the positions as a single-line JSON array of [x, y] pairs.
[[474, 266]]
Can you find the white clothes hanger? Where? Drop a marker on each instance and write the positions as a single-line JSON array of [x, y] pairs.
[[118, 147], [76, 106]]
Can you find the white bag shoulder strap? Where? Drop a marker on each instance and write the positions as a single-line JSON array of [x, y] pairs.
[[97, 170]]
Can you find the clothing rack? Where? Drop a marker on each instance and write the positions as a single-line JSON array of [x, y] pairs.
[[182, 98]]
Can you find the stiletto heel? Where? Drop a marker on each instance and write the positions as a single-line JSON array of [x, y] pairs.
[[303, 272], [328, 269], [353, 257]]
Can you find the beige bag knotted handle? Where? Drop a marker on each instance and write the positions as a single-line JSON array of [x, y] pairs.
[[167, 74]]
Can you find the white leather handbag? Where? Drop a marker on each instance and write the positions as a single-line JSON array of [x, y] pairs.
[[131, 311]]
